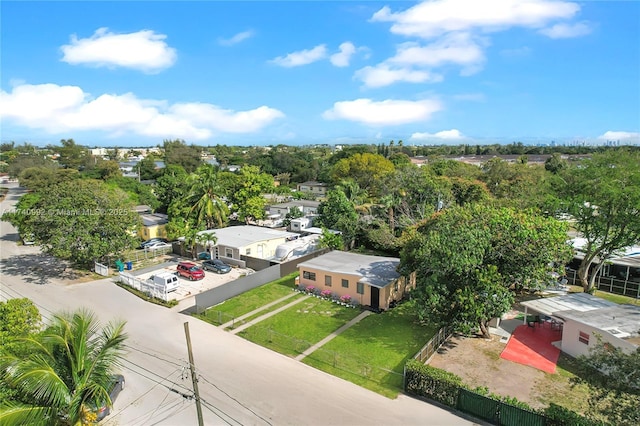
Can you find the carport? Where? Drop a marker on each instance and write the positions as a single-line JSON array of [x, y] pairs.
[[553, 306]]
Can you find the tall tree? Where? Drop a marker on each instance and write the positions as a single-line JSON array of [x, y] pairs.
[[208, 207], [248, 196], [72, 155], [338, 213], [602, 194], [466, 259], [368, 170], [82, 221], [178, 153], [208, 241], [67, 373]]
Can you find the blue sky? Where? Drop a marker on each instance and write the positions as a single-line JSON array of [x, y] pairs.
[[296, 72]]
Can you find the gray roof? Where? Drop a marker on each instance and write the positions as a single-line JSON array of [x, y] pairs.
[[152, 219], [620, 320], [376, 271], [579, 302], [244, 235], [298, 203]]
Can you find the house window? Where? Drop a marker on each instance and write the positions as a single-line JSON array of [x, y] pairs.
[[248, 252], [327, 280], [360, 288], [345, 283], [309, 275], [228, 253], [583, 338]]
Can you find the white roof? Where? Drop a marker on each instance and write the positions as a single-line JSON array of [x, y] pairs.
[[580, 302], [242, 236]]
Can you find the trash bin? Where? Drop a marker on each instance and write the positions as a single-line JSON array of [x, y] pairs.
[[120, 265], [129, 266]]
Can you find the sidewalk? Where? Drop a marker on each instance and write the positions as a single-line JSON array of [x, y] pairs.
[[262, 317], [330, 337]]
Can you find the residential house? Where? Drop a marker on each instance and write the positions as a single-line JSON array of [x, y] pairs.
[[371, 281], [583, 318], [307, 207], [239, 242], [319, 189], [153, 225]]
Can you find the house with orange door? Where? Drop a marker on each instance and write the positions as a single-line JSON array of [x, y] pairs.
[[371, 281]]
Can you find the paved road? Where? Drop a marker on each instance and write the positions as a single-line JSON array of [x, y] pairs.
[[241, 383]]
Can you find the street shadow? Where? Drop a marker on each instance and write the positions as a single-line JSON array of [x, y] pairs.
[[38, 268]]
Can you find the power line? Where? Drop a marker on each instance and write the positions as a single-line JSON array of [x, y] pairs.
[[157, 356], [234, 399]]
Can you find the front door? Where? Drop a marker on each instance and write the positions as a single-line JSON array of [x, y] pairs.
[[375, 297]]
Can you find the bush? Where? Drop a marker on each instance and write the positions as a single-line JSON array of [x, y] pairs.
[[430, 382], [559, 416]]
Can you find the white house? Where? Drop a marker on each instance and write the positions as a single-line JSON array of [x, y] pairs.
[[236, 242], [584, 317], [307, 207]]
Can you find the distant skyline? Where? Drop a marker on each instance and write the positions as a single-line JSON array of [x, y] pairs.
[[312, 72]]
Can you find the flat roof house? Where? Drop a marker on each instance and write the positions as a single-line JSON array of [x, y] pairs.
[[371, 281], [317, 188], [307, 207], [234, 242], [584, 317]]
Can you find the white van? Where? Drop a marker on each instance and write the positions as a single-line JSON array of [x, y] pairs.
[[167, 279]]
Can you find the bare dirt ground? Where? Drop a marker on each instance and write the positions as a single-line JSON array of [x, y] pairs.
[[477, 361]]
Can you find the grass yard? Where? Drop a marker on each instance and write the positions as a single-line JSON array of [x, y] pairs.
[[373, 352], [262, 312], [294, 330], [249, 301]]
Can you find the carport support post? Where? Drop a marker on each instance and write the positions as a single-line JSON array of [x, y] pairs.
[[194, 379]]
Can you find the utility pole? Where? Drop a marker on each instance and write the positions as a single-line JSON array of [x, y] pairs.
[[194, 379]]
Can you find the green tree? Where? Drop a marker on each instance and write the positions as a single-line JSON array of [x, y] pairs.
[[208, 240], [171, 186], [602, 194], [247, 197], [555, 164], [72, 156], [67, 373], [466, 259], [338, 213], [368, 170], [613, 378], [330, 240], [147, 168], [19, 318], [294, 213], [206, 196], [178, 153], [40, 178], [82, 221]]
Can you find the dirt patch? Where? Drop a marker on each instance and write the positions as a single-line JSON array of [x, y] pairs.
[[477, 361]]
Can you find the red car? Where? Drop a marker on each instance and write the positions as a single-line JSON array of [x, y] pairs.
[[190, 270]]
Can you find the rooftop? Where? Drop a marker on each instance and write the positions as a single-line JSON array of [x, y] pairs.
[[241, 236], [622, 321], [376, 271]]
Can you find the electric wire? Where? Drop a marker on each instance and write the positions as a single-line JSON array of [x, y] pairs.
[[156, 356]]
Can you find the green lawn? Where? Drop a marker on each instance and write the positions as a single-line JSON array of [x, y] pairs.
[[249, 301], [615, 298], [295, 329], [373, 352], [269, 309]]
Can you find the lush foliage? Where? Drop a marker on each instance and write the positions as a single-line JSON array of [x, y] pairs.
[[66, 374]]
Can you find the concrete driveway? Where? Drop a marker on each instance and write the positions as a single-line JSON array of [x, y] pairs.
[[240, 383]]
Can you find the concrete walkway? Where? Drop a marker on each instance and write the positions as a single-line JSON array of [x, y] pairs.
[[255, 311], [265, 316], [330, 337]]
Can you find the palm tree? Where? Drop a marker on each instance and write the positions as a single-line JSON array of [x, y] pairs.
[[67, 374], [208, 240], [206, 190]]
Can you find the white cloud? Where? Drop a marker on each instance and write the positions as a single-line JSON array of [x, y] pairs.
[[342, 58], [453, 134], [302, 57], [567, 30], [144, 50], [63, 109], [620, 136], [383, 75], [236, 38], [384, 113], [433, 18], [455, 48]]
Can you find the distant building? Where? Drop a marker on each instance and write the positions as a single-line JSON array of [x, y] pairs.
[[318, 189]]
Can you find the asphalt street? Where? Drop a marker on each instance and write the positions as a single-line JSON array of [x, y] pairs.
[[240, 383]]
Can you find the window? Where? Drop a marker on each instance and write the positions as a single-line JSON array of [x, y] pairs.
[[327, 280], [228, 253], [345, 283], [395, 286], [583, 338], [360, 288], [248, 252], [309, 275]]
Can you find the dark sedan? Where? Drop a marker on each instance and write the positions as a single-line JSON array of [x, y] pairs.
[[216, 265], [116, 387]]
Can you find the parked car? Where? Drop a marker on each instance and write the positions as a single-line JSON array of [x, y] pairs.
[[152, 241], [116, 387], [204, 255], [216, 265], [190, 270], [157, 246]]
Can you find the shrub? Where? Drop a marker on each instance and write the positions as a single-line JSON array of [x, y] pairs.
[[326, 293], [310, 289], [439, 385], [345, 299]]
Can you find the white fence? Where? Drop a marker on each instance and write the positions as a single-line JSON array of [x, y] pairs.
[[152, 289], [101, 269]]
